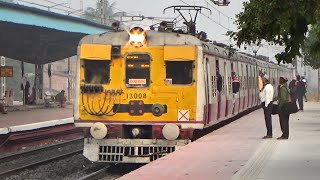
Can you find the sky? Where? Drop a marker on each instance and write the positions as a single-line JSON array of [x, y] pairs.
[[215, 24]]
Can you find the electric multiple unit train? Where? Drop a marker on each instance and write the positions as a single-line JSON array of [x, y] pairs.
[[141, 94]]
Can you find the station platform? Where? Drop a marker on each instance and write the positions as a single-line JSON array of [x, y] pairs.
[[23, 118], [237, 151]]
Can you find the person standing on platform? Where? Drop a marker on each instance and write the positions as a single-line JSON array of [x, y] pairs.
[[266, 99], [26, 88], [283, 115], [301, 88], [26, 91]]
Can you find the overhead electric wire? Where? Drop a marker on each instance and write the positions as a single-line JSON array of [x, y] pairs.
[[208, 3], [208, 17]]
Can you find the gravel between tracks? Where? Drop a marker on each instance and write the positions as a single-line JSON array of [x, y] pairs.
[[73, 167], [40, 156]]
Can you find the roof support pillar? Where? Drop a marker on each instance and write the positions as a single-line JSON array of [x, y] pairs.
[[38, 83]]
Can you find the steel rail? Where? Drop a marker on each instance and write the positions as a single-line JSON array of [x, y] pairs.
[[34, 151], [96, 175], [37, 163]]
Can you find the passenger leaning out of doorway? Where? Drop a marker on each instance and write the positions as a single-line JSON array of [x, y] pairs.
[[266, 100], [260, 84], [260, 81], [235, 88]]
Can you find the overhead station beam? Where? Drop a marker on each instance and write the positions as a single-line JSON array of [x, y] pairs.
[[26, 33]]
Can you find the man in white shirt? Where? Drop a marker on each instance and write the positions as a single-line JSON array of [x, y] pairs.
[[266, 99]]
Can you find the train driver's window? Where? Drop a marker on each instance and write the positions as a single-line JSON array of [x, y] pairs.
[[97, 71], [179, 72]]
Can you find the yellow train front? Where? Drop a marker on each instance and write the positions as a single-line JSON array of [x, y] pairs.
[[137, 94]]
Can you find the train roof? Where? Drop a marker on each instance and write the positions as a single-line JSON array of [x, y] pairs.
[[156, 38], [237, 56]]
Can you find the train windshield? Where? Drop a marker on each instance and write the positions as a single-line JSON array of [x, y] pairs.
[[179, 72], [97, 71], [138, 70]]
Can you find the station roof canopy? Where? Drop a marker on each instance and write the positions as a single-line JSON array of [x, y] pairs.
[[38, 36]]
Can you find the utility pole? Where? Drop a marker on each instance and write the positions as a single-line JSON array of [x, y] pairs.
[[50, 74], [3, 79], [103, 9], [69, 74], [23, 83]]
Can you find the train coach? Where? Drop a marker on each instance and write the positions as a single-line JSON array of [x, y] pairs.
[[141, 94]]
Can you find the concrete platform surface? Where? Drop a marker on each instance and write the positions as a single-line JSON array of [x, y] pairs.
[[294, 159], [34, 118], [237, 151]]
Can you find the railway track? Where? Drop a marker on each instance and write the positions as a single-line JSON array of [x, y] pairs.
[[97, 174], [14, 142], [15, 163]]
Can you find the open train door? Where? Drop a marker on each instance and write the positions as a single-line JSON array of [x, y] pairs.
[[249, 69], [221, 84], [207, 90], [236, 101], [242, 86], [228, 88]]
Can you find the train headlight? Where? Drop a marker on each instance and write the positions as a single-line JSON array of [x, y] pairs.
[[170, 131], [138, 37], [136, 132], [98, 130]]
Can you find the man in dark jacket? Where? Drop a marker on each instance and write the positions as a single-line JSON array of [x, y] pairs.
[[293, 90]]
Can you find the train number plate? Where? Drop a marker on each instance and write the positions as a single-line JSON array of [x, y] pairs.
[[136, 96]]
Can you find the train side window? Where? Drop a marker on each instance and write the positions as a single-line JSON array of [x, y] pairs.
[[179, 72], [97, 71]]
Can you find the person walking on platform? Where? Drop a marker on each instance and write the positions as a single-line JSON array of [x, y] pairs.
[[266, 99], [293, 89], [284, 96], [301, 88], [305, 84]]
